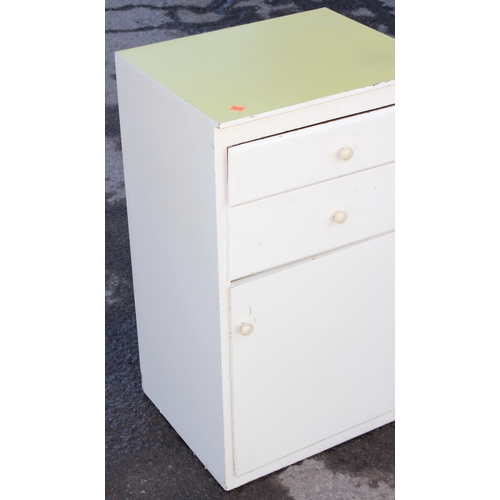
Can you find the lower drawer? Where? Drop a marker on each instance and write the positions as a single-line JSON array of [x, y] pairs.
[[300, 223]]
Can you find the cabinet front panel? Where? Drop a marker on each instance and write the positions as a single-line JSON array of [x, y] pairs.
[[302, 223], [307, 156], [320, 358]]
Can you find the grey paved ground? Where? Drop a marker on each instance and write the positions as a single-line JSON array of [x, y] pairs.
[[145, 458]]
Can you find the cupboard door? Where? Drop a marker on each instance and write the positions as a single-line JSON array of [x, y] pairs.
[[320, 357]]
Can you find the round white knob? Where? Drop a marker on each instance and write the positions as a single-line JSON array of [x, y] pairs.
[[340, 217], [346, 154], [246, 328]]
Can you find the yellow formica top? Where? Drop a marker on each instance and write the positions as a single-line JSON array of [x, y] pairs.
[[268, 65]]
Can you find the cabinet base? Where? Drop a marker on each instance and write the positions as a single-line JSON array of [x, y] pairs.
[[234, 481]]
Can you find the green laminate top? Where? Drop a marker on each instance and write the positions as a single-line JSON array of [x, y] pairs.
[[270, 64]]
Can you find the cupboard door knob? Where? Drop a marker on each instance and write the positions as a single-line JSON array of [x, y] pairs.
[[346, 154], [340, 217], [246, 328]]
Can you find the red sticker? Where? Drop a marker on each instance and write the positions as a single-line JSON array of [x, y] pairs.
[[237, 108]]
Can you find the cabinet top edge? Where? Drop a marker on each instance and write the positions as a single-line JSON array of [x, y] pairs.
[[249, 71], [309, 104]]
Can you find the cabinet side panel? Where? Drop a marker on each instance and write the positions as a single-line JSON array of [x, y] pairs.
[[170, 190]]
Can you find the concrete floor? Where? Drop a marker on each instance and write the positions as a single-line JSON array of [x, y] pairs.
[[145, 458]]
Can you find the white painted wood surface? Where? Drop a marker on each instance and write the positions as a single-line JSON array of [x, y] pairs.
[[321, 357], [285, 162], [169, 179], [181, 230], [298, 224]]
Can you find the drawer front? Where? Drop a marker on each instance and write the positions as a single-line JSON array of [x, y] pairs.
[[308, 156], [300, 224]]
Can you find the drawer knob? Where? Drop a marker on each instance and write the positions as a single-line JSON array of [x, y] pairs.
[[246, 328], [346, 154], [340, 217]]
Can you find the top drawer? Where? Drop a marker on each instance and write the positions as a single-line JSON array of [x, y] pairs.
[[307, 156]]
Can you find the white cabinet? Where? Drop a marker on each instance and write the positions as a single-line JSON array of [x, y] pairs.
[[260, 201]]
